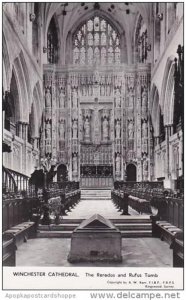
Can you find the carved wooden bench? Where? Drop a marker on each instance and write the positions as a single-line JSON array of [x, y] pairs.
[[9, 249], [174, 237], [178, 253], [20, 233], [140, 205], [169, 232]]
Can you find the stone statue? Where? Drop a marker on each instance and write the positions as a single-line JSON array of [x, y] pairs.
[[118, 98], [105, 129], [62, 99], [75, 129], [131, 130], [118, 129], [144, 98], [87, 129], [74, 98], [61, 129], [118, 163], [48, 98], [96, 76], [131, 98], [74, 163], [102, 90], [48, 130], [144, 130], [145, 166]]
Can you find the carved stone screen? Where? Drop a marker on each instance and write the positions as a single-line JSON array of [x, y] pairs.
[[96, 120]]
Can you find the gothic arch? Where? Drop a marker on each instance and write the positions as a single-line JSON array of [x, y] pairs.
[[23, 88], [54, 20], [7, 68], [155, 110], [139, 21], [131, 172], [86, 17], [26, 76], [15, 96], [167, 94]]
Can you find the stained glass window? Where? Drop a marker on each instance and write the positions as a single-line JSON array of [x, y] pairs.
[[96, 42]]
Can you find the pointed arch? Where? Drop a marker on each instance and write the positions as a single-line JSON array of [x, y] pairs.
[[85, 18], [53, 40], [155, 110], [23, 88], [7, 68], [140, 40], [167, 94], [15, 97], [26, 76]]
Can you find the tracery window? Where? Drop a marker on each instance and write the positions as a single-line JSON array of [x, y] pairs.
[[141, 41], [52, 43], [96, 42]]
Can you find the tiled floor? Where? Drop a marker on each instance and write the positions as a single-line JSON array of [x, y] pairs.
[[136, 252]]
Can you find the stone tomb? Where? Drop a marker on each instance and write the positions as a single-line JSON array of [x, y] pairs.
[[95, 239]]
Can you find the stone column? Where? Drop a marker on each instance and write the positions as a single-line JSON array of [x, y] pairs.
[[156, 140], [24, 131], [20, 129], [36, 142], [168, 131]]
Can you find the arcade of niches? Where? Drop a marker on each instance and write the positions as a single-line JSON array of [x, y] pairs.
[[98, 118], [94, 89]]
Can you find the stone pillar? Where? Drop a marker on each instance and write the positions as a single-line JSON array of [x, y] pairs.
[[156, 140], [24, 129], [36, 142], [20, 129], [168, 131]]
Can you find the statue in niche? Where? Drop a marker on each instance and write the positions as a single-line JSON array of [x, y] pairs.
[[74, 98], [105, 129], [74, 129], [118, 129], [131, 98], [61, 129], [62, 99], [90, 91], [144, 98], [102, 90], [74, 162], [118, 163], [118, 98], [145, 166], [48, 98], [131, 129], [108, 90], [48, 130], [144, 130], [96, 76], [87, 129]]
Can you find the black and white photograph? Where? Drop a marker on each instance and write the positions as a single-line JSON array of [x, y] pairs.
[[92, 145]]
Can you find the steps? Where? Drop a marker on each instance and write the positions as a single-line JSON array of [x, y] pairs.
[[130, 226], [95, 194]]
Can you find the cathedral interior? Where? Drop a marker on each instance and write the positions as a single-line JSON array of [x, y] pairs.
[[92, 121]]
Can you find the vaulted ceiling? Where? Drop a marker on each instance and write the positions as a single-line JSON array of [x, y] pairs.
[[69, 14]]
